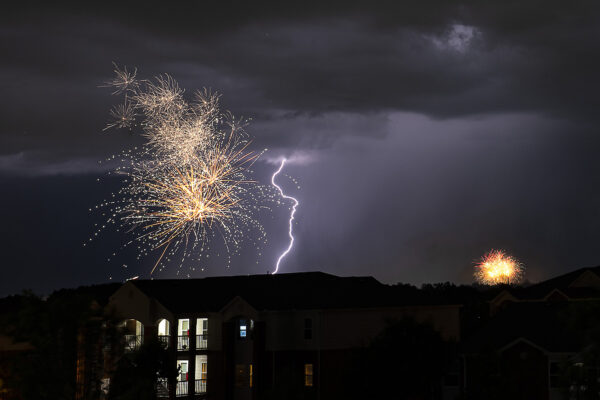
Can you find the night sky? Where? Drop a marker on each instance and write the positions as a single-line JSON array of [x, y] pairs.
[[422, 135]]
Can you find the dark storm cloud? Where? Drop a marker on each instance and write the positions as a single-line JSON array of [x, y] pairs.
[[442, 59], [422, 134]]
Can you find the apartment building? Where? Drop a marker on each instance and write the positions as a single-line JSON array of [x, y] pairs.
[[249, 337]]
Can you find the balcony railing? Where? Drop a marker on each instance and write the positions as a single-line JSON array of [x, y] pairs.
[[181, 389], [133, 342], [201, 341], [200, 386], [162, 388], [183, 343], [164, 339]]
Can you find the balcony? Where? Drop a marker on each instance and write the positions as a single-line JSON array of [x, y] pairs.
[[164, 339], [201, 341], [181, 389], [133, 342], [162, 388], [183, 343], [200, 386]]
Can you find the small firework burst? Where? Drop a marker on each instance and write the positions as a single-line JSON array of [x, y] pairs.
[[498, 267], [123, 80], [123, 116]]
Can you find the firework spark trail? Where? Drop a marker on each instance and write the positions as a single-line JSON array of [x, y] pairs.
[[190, 181], [291, 215]]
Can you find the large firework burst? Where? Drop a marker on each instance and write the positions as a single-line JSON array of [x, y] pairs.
[[190, 182], [498, 267]]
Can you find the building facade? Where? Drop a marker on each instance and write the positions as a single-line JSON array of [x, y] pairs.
[[266, 336], [541, 342]]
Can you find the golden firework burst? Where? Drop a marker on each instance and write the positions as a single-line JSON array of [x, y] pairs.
[[189, 182], [498, 267]]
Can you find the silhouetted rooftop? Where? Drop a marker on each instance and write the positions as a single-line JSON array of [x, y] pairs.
[[307, 290], [562, 283], [552, 326]]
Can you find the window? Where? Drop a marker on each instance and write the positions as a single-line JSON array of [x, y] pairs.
[[182, 368], [134, 334], [243, 328], [241, 375], [308, 374], [182, 378], [204, 326], [162, 388], [201, 373], [183, 327], [307, 328], [201, 366], [554, 374], [163, 327], [183, 334], [164, 331], [250, 374], [201, 333]]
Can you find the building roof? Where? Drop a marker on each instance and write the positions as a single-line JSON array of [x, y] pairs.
[[563, 283], [307, 290], [551, 326]]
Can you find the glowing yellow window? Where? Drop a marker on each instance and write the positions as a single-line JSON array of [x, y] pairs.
[[250, 375], [308, 374]]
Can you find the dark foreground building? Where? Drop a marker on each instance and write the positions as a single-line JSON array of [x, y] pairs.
[[270, 336], [541, 342], [305, 336]]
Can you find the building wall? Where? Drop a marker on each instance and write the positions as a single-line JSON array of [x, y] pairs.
[[525, 369], [128, 302], [350, 328], [278, 349]]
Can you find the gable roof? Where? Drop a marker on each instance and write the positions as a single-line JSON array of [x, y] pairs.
[[563, 283], [306, 290]]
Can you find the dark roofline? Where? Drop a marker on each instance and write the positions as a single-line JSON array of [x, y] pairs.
[[540, 290], [574, 273], [261, 276], [313, 290]]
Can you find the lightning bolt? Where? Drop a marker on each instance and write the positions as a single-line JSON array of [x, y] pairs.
[[291, 215]]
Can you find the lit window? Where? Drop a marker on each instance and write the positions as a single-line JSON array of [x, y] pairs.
[[201, 333], [182, 367], [243, 328], [134, 334], [201, 373], [250, 375], [204, 370], [164, 332], [163, 327], [308, 374], [183, 334], [201, 366], [183, 328]]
